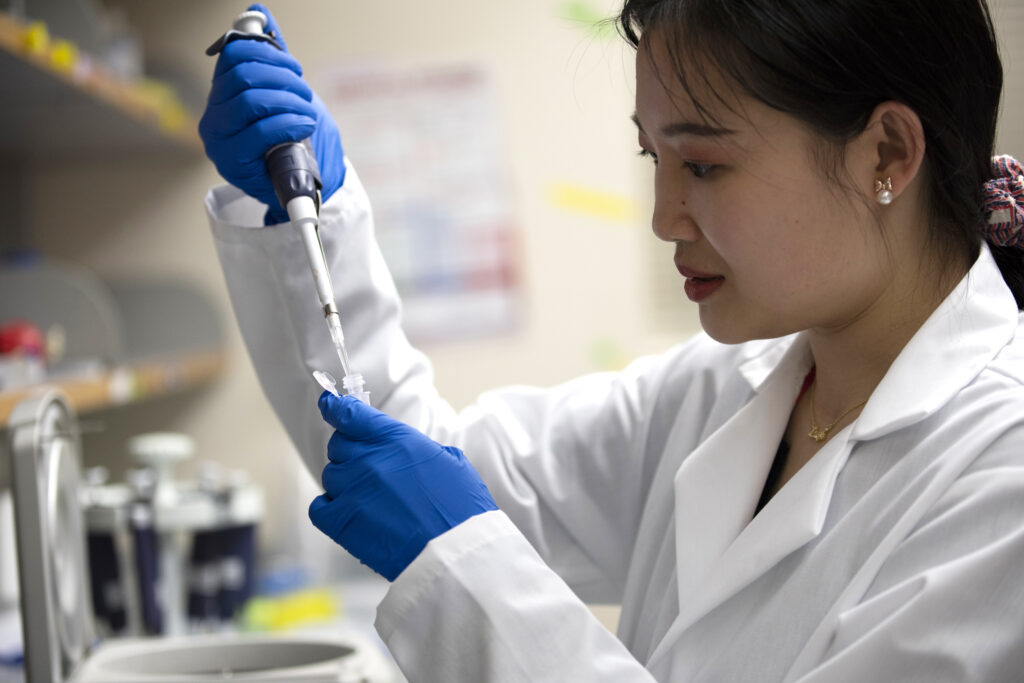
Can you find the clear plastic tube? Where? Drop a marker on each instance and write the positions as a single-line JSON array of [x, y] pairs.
[[353, 384]]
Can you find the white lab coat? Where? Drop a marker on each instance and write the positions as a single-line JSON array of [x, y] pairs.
[[895, 554]]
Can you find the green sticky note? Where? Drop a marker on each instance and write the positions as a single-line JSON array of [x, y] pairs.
[[588, 17]]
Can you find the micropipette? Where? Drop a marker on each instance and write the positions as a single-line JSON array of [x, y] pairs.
[[296, 179]]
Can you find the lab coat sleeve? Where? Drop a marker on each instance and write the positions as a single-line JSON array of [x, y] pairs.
[[479, 604], [571, 465], [276, 306], [947, 605], [568, 464]]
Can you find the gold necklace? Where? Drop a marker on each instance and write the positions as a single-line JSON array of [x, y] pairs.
[[819, 434]]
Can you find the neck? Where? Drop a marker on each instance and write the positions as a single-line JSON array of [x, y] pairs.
[[851, 360]]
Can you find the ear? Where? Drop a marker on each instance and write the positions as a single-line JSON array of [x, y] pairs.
[[893, 147]]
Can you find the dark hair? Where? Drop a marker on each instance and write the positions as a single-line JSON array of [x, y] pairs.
[[829, 64]]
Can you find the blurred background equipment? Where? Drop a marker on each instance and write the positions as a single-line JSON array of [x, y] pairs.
[[170, 556], [58, 626]]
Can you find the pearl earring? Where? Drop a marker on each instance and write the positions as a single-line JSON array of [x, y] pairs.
[[883, 190]]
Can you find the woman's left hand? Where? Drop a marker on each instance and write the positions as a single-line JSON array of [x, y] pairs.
[[388, 488]]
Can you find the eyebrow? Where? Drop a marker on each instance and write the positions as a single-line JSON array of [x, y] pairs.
[[685, 128]]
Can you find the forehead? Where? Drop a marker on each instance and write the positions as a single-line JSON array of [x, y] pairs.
[[680, 92], [684, 85]]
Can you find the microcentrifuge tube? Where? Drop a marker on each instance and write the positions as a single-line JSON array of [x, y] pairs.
[[353, 384]]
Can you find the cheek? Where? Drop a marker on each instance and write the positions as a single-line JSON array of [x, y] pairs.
[[772, 245], [777, 221], [750, 231]]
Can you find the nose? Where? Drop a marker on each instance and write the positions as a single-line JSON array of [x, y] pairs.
[[672, 220]]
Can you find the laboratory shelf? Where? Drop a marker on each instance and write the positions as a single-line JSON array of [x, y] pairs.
[[125, 384], [56, 104]]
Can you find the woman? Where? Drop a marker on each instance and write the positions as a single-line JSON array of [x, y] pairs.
[[826, 486]]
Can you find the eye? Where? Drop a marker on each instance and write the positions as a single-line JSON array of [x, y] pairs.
[[699, 170], [647, 153]]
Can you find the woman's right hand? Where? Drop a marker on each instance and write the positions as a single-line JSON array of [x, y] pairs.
[[258, 99]]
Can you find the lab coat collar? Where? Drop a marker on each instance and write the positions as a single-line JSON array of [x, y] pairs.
[[957, 341], [953, 346]]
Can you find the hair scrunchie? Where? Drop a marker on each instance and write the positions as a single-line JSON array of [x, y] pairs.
[[1004, 203]]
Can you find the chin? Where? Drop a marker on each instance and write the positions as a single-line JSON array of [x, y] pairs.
[[728, 338], [735, 329], [724, 331]]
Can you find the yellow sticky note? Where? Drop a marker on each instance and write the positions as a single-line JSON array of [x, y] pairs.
[[592, 202]]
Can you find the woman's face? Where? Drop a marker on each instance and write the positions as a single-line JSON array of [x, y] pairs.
[[768, 246]]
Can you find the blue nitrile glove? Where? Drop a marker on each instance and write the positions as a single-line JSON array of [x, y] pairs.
[[258, 99], [390, 489]]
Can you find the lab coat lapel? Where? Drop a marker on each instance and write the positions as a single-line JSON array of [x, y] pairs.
[[718, 486], [792, 518], [957, 342]]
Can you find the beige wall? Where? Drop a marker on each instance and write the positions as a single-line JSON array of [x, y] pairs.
[[565, 99], [1008, 16]]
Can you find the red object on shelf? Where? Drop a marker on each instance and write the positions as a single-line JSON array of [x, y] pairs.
[[21, 336]]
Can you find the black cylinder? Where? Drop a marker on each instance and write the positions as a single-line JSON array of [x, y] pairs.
[[293, 172]]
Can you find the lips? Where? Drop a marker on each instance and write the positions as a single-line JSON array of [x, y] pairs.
[[695, 274], [699, 285]]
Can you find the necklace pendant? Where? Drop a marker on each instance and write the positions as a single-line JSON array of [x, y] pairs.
[[818, 434]]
